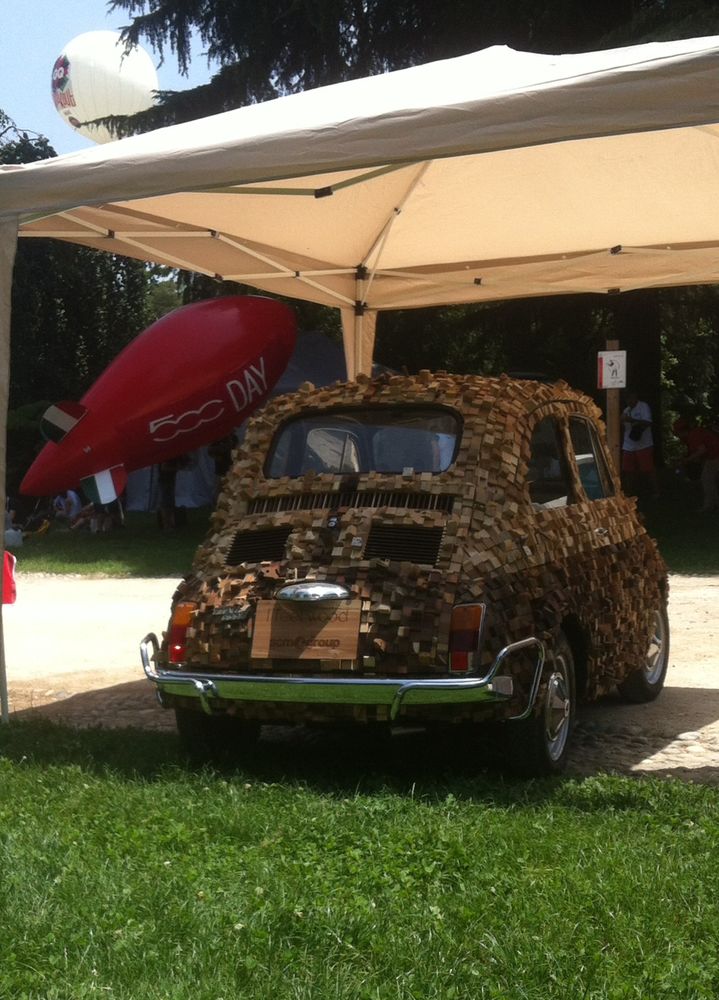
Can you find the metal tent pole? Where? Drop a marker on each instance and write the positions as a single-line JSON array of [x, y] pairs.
[[8, 244], [4, 703]]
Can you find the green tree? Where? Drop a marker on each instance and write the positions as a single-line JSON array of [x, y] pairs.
[[662, 20], [263, 50], [73, 308]]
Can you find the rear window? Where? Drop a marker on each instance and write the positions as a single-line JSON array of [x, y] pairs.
[[373, 439]]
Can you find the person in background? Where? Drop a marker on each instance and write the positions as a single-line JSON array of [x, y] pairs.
[[638, 446], [170, 516], [67, 506], [13, 532], [9, 516], [100, 517], [702, 445], [221, 453]]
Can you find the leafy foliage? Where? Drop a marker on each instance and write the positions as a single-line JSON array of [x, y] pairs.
[[273, 48], [68, 325], [21, 147], [73, 310]]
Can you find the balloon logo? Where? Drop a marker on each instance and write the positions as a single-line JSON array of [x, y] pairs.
[[94, 77]]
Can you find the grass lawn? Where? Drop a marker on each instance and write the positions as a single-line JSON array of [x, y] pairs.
[[689, 540], [127, 876], [140, 548]]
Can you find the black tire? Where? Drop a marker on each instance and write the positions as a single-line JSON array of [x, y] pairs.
[[214, 739], [539, 746], [645, 683]]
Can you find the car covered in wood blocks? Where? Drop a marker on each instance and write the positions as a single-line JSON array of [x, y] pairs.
[[431, 550]]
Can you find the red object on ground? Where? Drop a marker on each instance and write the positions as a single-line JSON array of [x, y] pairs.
[[9, 588], [186, 381]]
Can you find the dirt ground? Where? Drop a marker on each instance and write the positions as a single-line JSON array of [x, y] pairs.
[[72, 654]]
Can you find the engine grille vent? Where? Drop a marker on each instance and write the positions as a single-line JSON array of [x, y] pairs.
[[258, 546], [404, 544], [351, 498]]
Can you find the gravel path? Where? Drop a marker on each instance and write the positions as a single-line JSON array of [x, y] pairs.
[[72, 655]]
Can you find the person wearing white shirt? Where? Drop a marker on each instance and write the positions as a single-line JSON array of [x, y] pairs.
[[67, 506], [638, 445]]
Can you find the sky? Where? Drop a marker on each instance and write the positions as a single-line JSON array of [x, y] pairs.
[[33, 33]]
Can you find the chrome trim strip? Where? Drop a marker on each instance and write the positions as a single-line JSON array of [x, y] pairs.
[[536, 680], [394, 692]]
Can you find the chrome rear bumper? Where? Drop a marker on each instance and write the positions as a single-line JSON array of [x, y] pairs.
[[394, 692]]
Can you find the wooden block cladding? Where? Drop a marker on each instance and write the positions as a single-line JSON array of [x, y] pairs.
[[530, 566]]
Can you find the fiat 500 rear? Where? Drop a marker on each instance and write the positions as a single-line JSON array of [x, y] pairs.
[[438, 549]]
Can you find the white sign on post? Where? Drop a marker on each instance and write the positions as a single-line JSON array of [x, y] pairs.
[[611, 369]]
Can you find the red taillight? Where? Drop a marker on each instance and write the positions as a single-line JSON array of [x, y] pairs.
[[465, 629], [177, 634]]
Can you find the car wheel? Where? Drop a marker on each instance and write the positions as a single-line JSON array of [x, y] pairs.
[[213, 739], [539, 746], [645, 683]]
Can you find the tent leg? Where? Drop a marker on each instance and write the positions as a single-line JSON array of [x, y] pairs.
[[4, 703], [358, 342], [349, 341], [8, 244], [358, 334]]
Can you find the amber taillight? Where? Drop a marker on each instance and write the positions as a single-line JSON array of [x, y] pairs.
[[177, 635], [465, 632]]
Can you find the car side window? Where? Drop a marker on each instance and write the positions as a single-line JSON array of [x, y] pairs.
[[590, 459], [549, 481]]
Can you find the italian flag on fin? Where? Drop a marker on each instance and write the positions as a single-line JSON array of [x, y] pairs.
[[59, 420], [104, 487]]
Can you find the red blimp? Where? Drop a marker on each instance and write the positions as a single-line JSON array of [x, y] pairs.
[[186, 381]]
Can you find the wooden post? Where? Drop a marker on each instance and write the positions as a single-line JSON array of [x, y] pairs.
[[614, 428]]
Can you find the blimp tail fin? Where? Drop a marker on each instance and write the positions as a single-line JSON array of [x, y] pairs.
[[59, 419], [106, 486]]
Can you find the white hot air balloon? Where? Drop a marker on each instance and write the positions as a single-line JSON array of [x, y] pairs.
[[93, 78]]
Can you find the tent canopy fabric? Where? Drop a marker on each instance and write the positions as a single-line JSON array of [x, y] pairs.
[[494, 175]]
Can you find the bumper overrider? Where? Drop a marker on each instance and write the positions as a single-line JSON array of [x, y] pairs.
[[394, 692]]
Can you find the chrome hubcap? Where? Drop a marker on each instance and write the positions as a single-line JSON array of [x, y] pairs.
[[557, 710], [656, 651]]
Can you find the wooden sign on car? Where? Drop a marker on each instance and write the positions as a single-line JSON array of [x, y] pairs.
[[322, 630]]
